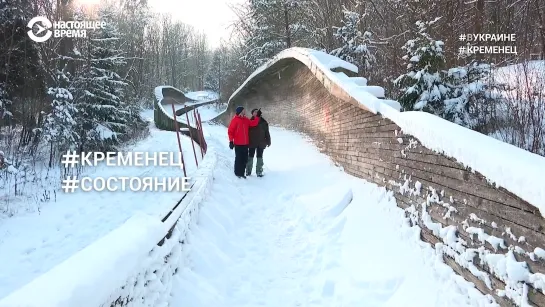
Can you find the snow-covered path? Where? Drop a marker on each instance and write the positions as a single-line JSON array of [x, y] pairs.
[[307, 234]]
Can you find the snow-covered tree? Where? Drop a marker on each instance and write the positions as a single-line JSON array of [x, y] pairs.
[[60, 123], [272, 26], [22, 70], [472, 95], [104, 116], [262, 46], [354, 44], [215, 73], [423, 86]]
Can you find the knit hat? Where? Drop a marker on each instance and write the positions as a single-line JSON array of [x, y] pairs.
[[239, 109]]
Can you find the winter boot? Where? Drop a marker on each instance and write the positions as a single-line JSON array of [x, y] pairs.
[[249, 166], [259, 167]]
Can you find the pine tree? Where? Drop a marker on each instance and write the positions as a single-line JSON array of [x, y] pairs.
[[104, 117], [423, 86], [60, 124], [20, 60], [215, 73], [273, 26], [354, 44], [472, 95], [262, 46]]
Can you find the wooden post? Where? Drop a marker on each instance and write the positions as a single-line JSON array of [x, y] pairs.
[[192, 141], [204, 146], [200, 133], [177, 128]]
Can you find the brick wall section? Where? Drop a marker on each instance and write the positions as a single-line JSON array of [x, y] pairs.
[[368, 146]]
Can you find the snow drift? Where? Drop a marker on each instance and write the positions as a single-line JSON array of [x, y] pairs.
[[130, 263]]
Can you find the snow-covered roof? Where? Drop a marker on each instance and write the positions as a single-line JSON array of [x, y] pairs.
[[505, 165]]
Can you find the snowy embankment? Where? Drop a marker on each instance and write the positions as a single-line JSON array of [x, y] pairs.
[[308, 234], [120, 264], [525, 75], [522, 110], [492, 158], [34, 243], [202, 95]]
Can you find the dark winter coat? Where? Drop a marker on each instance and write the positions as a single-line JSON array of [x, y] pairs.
[[259, 135], [238, 129]]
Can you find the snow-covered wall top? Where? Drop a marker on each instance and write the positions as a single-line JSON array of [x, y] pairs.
[[88, 278], [504, 165]]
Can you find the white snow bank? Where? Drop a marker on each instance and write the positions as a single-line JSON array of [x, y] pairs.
[[94, 276], [89, 277], [515, 75], [377, 91], [330, 201], [361, 81], [34, 242], [517, 170], [202, 95], [510, 167]]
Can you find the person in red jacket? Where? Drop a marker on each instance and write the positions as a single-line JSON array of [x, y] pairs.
[[239, 139]]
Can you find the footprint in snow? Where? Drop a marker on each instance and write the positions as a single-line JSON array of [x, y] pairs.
[[285, 197], [28, 251], [380, 291]]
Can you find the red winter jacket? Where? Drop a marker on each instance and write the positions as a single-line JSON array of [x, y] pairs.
[[239, 128]]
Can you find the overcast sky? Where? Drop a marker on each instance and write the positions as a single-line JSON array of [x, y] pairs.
[[210, 16]]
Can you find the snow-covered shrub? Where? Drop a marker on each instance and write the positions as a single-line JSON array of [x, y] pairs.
[[59, 125], [472, 96], [423, 86]]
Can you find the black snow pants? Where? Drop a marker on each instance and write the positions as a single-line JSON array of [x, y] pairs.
[[241, 158]]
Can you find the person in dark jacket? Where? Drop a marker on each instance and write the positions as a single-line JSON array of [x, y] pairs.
[[260, 138], [239, 140]]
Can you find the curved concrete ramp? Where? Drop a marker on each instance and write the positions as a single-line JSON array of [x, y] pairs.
[[162, 114], [168, 95], [441, 174]]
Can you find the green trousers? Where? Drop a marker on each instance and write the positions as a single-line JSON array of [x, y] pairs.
[[250, 163]]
